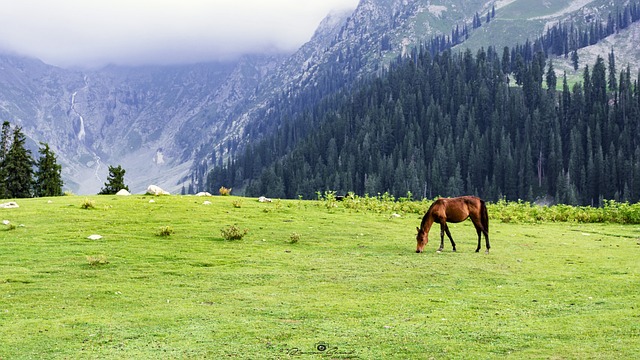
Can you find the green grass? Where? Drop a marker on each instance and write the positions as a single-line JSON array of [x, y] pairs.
[[352, 281]]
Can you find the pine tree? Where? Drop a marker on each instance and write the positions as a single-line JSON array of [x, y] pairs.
[[49, 173], [613, 85], [115, 181], [575, 59], [18, 165], [4, 149]]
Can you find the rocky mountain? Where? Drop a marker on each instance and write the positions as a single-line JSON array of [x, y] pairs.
[[167, 124], [147, 119]]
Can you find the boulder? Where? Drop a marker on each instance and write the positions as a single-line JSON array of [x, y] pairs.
[[203, 193], [9, 205], [156, 190], [123, 192]]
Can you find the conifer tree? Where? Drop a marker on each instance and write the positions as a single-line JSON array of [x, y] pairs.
[[115, 181], [575, 59], [18, 165], [4, 149], [48, 173]]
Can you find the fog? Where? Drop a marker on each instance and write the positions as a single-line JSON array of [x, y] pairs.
[[90, 34]]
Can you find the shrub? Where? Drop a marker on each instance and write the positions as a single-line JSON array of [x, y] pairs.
[[88, 204], [225, 191], [294, 238], [233, 233], [237, 204], [165, 231], [11, 226], [97, 260]]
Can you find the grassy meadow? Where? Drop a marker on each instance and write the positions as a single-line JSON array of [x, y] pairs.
[[310, 279]]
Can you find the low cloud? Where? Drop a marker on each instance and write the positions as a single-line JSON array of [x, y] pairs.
[[79, 33]]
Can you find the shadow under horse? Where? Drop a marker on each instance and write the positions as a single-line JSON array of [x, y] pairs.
[[454, 210]]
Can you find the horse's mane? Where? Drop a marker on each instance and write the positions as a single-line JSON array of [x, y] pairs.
[[426, 215]]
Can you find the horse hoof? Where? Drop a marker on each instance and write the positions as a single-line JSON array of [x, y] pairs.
[[438, 251]]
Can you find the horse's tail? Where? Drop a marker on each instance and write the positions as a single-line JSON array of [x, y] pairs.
[[484, 216]]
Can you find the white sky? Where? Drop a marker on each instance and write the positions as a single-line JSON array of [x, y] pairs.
[[91, 33]]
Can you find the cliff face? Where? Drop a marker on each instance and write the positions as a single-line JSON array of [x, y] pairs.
[[147, 119]]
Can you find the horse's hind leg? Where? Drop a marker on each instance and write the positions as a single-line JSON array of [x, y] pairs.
[[486, 236], [446, 229], [480, 230]]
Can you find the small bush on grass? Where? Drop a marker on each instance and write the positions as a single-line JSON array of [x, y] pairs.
[[97, 260], [294, 238], [165, 231], [237, 204], [233, 233], [224, 191], [88, 204], [11, 226]]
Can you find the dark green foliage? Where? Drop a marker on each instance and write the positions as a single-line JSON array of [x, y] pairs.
[[115, 181], [49, 173], [445, 123], [4, 150], [451, 124], [17, 167]]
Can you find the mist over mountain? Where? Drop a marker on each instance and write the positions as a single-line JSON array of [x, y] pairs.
[[168, 125]]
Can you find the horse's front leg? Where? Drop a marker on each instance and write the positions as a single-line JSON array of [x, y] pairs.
[[441, 238], [446, 229]]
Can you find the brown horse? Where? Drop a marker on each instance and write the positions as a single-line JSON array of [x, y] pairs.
[[454, 210]]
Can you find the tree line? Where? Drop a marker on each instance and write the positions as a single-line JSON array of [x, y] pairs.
[[20, 175], [453, 123]]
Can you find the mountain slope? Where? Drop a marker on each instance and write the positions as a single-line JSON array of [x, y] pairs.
[[139, 117], [168, 125]]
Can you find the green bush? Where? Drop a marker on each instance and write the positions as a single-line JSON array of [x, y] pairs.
[[233, 233], [165, 231], [97, 260], [294, 238], [88, 204]]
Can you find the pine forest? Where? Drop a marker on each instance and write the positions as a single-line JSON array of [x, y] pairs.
[[500, 124]]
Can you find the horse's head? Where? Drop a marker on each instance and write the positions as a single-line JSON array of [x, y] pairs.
[[422, 240]]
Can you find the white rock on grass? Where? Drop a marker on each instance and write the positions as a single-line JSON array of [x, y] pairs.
[[94, 237], [203, 193], [156, 190], [123, 192], [206, 203]]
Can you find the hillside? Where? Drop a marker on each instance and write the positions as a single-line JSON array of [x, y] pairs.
[[170, 125], [147, 119]]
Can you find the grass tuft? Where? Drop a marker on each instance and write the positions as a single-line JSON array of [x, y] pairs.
[[233, 233], [294, 238], [97, 260], [165, 231], [88, 204]]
